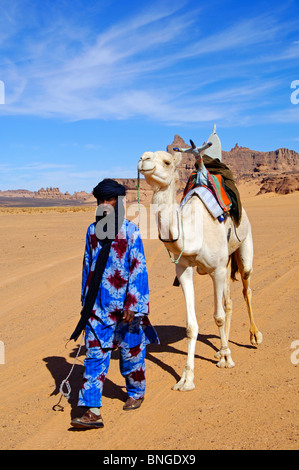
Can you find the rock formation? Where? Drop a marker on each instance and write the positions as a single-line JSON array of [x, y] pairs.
[[275, 171], [280, 184]]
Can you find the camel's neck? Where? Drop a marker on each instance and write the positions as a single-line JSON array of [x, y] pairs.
[[166, 209]]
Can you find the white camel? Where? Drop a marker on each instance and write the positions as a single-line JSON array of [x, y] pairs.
[[196, 239]]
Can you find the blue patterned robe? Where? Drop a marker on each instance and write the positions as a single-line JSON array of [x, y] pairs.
[[124, 286]]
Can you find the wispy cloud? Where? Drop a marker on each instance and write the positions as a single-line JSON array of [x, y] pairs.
[[38, 166], [242, 34], [286, 115], [156, 63], [70, 178]]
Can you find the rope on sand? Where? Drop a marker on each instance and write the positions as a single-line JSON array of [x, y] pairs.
[[66, 383]]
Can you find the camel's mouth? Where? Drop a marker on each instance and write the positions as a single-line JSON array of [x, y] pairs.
[[144, 170], [159, 179], [149, 170]]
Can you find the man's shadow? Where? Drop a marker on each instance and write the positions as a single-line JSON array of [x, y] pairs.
[[168, 336], [60, 369]]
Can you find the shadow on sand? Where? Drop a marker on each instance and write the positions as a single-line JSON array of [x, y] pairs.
[[168, 335]]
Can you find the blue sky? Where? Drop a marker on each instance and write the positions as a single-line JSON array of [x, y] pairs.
[[89, 85]]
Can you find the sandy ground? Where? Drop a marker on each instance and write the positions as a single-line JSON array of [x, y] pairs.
[[253, 406]]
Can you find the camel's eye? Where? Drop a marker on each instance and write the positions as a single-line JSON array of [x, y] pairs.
[[166, 162]]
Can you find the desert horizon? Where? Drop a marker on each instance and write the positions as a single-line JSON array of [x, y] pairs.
[[272, 171]]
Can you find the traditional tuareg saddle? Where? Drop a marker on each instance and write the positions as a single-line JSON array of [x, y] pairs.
[[215, 179]]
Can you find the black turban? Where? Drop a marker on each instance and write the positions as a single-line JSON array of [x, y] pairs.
[[107, 189]]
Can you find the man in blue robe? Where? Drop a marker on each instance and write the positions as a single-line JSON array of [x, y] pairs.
[[115, 300]]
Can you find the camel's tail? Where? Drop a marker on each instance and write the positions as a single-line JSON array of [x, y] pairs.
[[234, 267]]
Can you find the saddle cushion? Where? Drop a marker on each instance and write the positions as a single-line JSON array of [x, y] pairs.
[[222, 184], [216, 182]]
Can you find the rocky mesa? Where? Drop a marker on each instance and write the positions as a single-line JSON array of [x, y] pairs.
[[274, 171]]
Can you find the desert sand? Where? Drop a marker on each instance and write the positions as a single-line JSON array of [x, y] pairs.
[[253, 406]]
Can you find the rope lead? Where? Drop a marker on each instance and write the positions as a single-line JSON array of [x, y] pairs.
[[138, 196], [66, 383]]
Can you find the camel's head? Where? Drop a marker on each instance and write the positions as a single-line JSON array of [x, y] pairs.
[[159, 168]]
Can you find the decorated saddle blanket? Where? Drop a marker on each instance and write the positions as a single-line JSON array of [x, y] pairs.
[[220, 181], [213, 194], [207, 197]]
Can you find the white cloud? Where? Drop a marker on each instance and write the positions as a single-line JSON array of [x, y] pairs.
[[70, 178], [154, 64], [38, 166], [285, 115]]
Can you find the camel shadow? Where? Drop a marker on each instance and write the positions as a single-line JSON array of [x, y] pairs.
[[60, 368], [169, 335]]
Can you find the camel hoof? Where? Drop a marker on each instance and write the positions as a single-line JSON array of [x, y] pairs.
[[225, 363], [256, 338], [184, 386]]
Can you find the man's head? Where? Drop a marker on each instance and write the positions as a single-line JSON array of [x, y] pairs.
[[108, 190], [109, 194]]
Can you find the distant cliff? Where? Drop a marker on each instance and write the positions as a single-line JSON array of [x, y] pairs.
[[274, 171], [48, 193]]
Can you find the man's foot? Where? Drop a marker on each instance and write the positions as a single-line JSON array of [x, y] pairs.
[[88, 421], [132, 403]]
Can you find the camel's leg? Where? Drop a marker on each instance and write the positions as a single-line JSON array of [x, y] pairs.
[[244, 256], [185, 276], [219, 279], [256, 336], [228, 304]]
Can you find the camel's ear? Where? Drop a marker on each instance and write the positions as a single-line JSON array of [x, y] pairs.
[[177, 157]]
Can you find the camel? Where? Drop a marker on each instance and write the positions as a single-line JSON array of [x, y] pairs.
[[196, 239]]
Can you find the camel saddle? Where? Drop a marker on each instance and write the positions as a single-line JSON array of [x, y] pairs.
[[222, 184]]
